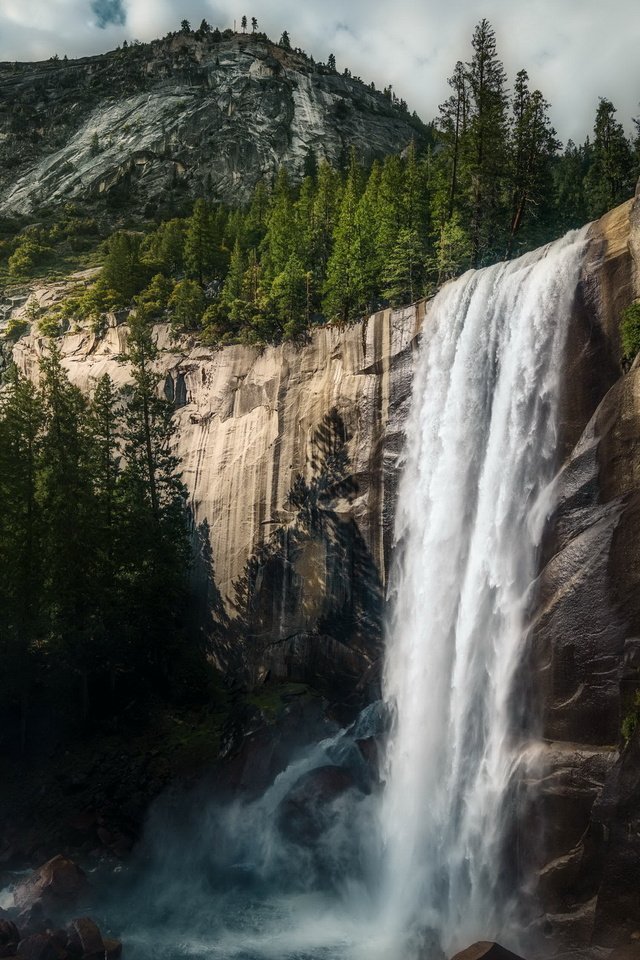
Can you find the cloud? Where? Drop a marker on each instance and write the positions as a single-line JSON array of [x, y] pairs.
[[575, 51], [108, 11]]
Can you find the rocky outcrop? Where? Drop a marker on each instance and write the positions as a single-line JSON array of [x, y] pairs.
[[587, 620], [56, 885], [179, 117]]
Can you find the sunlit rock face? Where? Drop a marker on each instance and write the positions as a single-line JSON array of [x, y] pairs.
[[290, 455], [179, 118]]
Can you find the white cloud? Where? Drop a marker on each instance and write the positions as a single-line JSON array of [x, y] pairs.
[[574, 50]]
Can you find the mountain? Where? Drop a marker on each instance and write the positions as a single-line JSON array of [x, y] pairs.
[[190, 114]]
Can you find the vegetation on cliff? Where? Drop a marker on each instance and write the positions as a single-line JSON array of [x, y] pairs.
[[630, 332], [346, 241], [94, 544]]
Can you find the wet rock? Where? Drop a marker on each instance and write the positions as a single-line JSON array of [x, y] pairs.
[[112, 948], [586, 658], [305, 811], [8, 932], [40, 946], [263, 753], [85, 939], [32, 920], [628, 951], [486, 950], [58, 884]]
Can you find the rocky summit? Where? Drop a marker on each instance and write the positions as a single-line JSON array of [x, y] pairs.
[[190, 113]]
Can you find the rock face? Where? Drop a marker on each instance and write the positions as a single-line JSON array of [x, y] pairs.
[[290, 456], [178, 117], [586, 655], [58, 884]]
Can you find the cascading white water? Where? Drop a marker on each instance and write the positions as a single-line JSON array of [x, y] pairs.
[[417, 869], [474, 495]]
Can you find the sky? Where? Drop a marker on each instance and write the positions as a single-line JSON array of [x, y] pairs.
[[574, 50]]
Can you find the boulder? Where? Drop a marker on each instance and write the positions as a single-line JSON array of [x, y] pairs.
[[112, 948], [304, 813], [486, 950], [32, 920], [58, 884], [8, 932], [85, 939], [40, 946]]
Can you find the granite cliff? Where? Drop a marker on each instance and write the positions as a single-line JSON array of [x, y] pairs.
[[189, 114], [290, 456], [586, 624]]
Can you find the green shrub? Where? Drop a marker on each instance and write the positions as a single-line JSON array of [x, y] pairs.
[[630, 332], [28, 255], [154, 299], [50, 326], [16, 327], [187, 304]]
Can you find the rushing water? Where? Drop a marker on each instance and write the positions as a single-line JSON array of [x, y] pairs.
[[475, 493], [416, 867]]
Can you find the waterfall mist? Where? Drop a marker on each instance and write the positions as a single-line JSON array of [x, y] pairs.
[[410, 865], [474, 496]]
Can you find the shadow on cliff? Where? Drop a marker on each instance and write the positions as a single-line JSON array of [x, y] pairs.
[[309, 604]]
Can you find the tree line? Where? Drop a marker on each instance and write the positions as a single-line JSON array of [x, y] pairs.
[[343, 243], [94, 542]]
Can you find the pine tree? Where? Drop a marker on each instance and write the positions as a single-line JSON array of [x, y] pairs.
[[486, 144], [123, 273], [103, 653], [186, 304], [285, 41], [344, 285], [104, 431], [201, 243], [281, 237], [289, 296], [322, 223], [231, 311], [21, 537], [164, 248], [533, 147], [610, 179], [370, 258], [452, 251], [403, 275], [569, 173], [244, 24], [391, 214], [255, 224], [154, 540], [154, 299], [454, 114], [415, 194], [67, 502]]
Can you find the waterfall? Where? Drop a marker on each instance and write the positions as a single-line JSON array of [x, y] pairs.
[[308, 872], [474, 496]]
